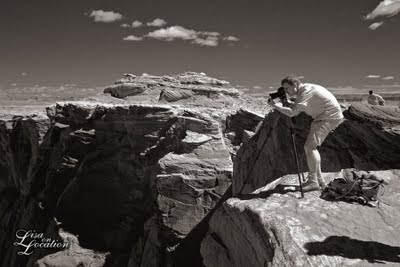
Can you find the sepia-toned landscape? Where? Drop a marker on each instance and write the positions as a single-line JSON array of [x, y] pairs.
[[199, 133]]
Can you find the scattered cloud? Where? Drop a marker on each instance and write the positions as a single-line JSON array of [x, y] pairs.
[[257, 87], [105, 16], [301, 77], [231, 38], [215, 34], [157, 23], [386, 8], [145, 74], [172, 33], [388, 78], [373, 76], [202, 38], [209, 41], [24, 74], [13, 84], [136, 24], [375, 25], [133, 38]]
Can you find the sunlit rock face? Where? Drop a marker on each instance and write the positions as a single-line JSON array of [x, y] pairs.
[[274, 226], [171, 88], [267, 223]]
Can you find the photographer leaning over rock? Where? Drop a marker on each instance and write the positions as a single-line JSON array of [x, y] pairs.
[[325, 110]]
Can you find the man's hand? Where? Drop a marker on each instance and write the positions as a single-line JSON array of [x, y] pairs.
[[271, 102]]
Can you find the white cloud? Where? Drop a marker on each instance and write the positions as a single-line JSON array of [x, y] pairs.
[[375, 25], [373, 76], [209, 41], [136, 24], [145, 74], [215, 34], [231, 38], [301, 77], [388, 78], [132, 38], [105, 16], [13, 84], [386, 8], [172, 33], [24, 74], [257, 87], [157, 23], [202, 38]]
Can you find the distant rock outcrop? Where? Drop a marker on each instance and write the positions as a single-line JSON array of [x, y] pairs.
[[171, 88], [125, 89]]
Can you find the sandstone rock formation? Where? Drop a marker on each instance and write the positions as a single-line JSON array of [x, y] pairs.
[[273, 226], [267, 224], [104, 170], [20, 140], [173, 88], [135, 181], [368, 139], [125, 89]]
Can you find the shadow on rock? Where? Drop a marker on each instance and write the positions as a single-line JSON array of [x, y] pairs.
[[279, 189], [344, 246]]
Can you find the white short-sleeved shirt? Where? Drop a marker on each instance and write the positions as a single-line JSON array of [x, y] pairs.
[[318, 102], [375, 99]]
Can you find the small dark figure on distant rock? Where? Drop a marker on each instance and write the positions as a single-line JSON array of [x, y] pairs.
[[323, 107], [375, 99]]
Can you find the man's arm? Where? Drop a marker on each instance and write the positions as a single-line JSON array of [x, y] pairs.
[[380, 100], [291, 111]]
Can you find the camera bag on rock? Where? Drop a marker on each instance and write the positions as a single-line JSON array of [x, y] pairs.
[[355, 186]]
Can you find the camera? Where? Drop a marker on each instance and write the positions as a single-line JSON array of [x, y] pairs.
[[280, 93]]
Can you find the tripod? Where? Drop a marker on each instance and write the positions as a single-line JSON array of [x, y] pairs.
[[296, 156], [293, 137]]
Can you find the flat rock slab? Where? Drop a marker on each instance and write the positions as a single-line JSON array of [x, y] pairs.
[[273, 226]]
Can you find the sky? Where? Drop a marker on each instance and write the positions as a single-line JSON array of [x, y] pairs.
[[340, 44]]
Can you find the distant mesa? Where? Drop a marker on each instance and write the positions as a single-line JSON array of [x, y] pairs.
[[170, 88]]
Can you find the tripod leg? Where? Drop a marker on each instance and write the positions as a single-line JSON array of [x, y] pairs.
[[297, 161]]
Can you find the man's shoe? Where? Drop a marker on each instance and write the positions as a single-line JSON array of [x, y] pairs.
[[321, 184], [310, 185]]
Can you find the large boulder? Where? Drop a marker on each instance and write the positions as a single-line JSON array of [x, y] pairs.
[[125, 89], [273, 226], [266, 223]]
